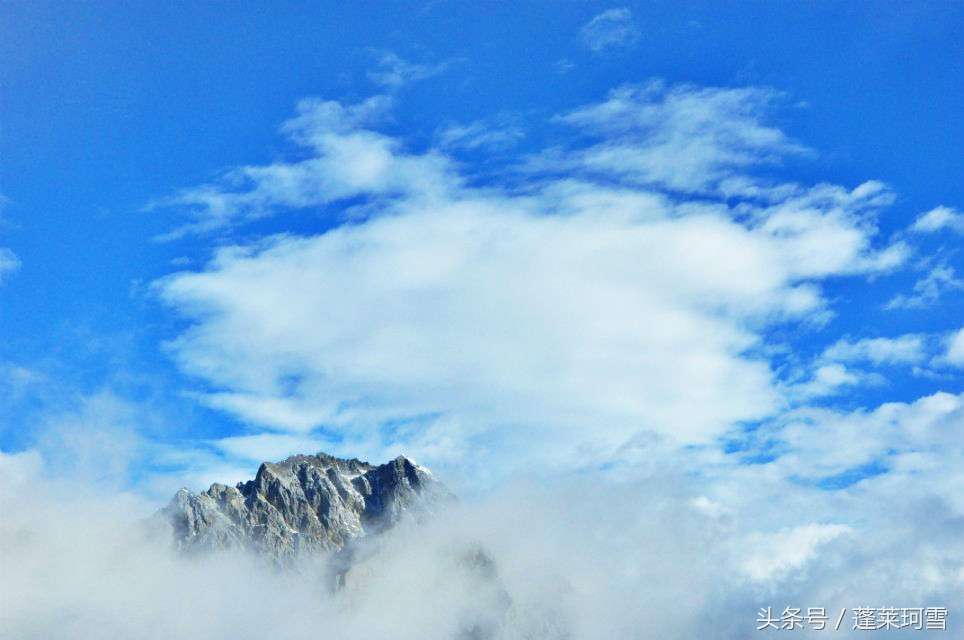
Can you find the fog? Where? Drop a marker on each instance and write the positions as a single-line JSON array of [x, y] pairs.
[[582, 558]]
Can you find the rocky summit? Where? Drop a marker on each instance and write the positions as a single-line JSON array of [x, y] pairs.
[[306, 503]]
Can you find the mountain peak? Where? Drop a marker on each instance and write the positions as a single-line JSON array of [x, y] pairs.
[[304, 503]]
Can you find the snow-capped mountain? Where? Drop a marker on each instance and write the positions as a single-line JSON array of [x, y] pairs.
[[306, 503]]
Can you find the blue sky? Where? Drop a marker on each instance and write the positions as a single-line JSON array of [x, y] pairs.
[[670, 293], [112, 310]]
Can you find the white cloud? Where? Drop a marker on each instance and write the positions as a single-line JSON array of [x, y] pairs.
[[348, 161], [393, 72], [612, 28], [479, 309], [573, 559], [939, 218], [107, 441], [828, 379], [96, 439], [928, 290], [843, 364], [9, 262], [572, 312], [564, 66], [827, 229], [681, 137], [16, 380], [268, 446], [905, 349], [818, 444], [955, 349], [479, 135], [773, 555]]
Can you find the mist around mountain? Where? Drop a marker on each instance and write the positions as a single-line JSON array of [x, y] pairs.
[[579, 559], [305, 504]]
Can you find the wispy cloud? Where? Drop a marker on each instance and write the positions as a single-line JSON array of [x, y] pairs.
[[564, 66], [480, 134], [928, 290], [902, 350], [822, 444], [612, 28], [955, 349], [392, 71], [827, 379], [9, 263], [347, 160], [681, 137], [939, 218], [472, 311]]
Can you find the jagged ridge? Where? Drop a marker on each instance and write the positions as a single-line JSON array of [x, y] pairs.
[[303, 504]]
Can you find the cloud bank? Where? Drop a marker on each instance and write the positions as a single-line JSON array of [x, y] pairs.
[[627, 291], [656, 552]]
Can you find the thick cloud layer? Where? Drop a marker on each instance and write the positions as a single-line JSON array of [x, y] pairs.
[[659, 556], [596, 306]]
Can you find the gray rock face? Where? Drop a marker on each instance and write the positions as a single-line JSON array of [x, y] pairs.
[[303, 504]]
